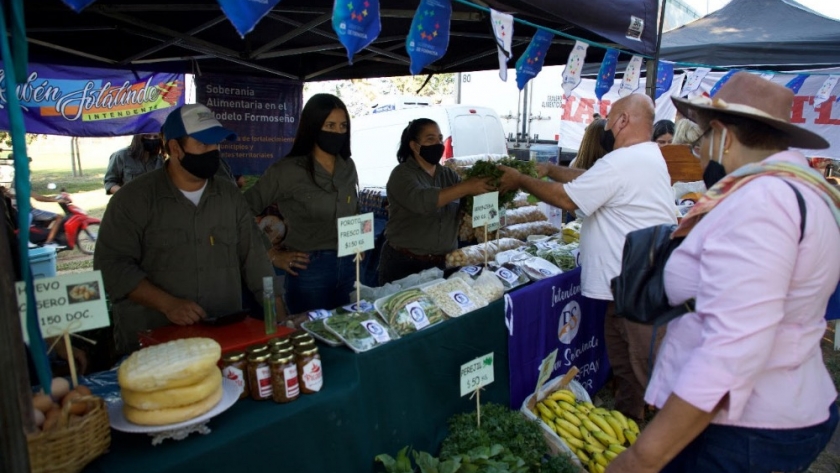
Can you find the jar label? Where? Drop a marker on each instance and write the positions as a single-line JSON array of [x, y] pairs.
[[313, 377], [236, 375], [292, 387], [417, 315], [264, 381]]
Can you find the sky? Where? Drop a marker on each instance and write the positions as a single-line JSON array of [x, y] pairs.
[[829, 8]]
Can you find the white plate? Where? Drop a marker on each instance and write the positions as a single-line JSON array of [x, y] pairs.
[[118, 421]]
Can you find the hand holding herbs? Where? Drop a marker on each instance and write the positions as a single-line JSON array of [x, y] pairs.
[[491, 170]]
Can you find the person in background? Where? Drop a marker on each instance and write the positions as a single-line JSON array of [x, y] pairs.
[[741, 381], [663, 132], [626, 190], [424, 204], [144, 154], [50, 219], [176, 245], [590, 148], [313, 186], [686, 132]]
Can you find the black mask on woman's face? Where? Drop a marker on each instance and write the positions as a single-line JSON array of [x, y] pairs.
[[204, 165], [608, 140], [715, 171], [151, 145], [431, 153], [330, 142]]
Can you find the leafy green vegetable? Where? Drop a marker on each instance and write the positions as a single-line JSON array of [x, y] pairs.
[[490, 169]]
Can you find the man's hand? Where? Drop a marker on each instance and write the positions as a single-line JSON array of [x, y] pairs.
[[479, 186], [510, 179], [184, 312], [113, 189]]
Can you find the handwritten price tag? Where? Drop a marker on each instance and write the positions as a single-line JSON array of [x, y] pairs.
[[546, 368], [476, 374], [485, 209]]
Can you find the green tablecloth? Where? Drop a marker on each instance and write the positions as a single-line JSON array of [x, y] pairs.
[[376, 402]]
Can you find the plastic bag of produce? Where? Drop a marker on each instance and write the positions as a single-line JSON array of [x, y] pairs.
[[531, 213], [474, 255], [362, 306], [512, 256], [454, 297], [521, 231], [319, 331], [537, 268], [409, 311], [360, 332], [511, 275], [488, 286], [376, 293]]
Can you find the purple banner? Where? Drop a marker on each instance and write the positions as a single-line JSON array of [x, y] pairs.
[[552, 314], [91, 102], [263, 112]]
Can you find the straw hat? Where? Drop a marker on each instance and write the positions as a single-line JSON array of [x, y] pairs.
[[751, 96]]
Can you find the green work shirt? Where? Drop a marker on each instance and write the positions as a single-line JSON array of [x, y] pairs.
[[310, 209], [124, 168], [202, 253], [415, 222]]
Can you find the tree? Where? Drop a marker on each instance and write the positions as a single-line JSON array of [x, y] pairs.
[[6, 138]]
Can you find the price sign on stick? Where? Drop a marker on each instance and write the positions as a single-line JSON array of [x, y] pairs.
[[485, 209], [474, 376], [355, 234], [546, 368]]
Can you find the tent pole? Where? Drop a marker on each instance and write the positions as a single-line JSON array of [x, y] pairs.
[[653, 65]]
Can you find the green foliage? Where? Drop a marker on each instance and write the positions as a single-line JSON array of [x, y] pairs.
[[489, 169], [559, 464], [6, 139]]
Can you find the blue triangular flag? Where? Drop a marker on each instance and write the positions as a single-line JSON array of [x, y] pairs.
[[531, 62], [796, 83], [356, 22], [664, 77], [78, 5], [722, 81], [428, 38], [606, 76], [245, 15]]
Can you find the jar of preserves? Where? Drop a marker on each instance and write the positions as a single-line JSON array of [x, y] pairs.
[[276, 343], [285, 351], [259, 376], [258, 348], [300, 335], [309, 370], [305, 344], [235, 368], [284, 378]]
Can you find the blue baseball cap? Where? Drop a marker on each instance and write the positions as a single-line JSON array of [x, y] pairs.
[[197, 121]]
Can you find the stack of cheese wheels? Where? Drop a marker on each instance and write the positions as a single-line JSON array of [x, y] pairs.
[[170, 383]]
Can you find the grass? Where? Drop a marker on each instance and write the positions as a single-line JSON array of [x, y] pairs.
[[63, 178]]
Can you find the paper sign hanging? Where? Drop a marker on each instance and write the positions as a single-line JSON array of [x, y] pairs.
[[485, 209], [722, 81], [476, 374], [630, 82], [71, 303], [503, 31], [78, 5], [355, 234], [574, 66], [546, 368], [606, 75], [429, 35], [245, 15], [825, 91], [796, 83], [664, 77], [356, 22], [694, 80], [531, 62]]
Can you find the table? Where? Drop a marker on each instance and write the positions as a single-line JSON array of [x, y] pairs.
[[376, 402]]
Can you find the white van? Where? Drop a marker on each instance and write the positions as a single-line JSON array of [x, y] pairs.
[[466, 131]]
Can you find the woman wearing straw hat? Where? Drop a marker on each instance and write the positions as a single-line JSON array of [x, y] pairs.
[[741, 382]]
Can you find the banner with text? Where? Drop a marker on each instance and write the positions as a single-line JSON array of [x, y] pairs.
[[263, 112], [552, 314], [91, 102]]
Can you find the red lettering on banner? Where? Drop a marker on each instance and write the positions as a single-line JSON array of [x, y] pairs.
[[798, 108], [605, 108], [567, 108], [824, 111], [584, 111]]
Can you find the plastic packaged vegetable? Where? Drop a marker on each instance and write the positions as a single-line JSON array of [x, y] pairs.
[[454, 297], [474, 255], [360, 332], [537, 268], [409, 311], [510, 275], [319, 331], [522, 231]]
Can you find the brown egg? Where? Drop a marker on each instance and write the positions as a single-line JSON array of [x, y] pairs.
[[38, 417], [42, 402], [52, 418], [83, 390], [60, 388], [76, 408]]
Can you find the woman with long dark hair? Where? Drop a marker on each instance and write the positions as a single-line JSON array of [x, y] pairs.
[[315, 184], [424, 203], [144, 154]]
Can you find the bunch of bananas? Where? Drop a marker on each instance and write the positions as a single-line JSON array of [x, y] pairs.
[[595, 434]]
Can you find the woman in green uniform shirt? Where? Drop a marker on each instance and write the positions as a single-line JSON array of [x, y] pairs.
[[423, 204], [315, 184]]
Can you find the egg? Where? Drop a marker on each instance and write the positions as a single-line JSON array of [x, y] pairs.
[[38, 417], [60, 388], [51, 419], [83, 390], [42, 402], [76, 408]]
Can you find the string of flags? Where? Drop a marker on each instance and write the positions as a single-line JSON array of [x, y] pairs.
[[357, 24]]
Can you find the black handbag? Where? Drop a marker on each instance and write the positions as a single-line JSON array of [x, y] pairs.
[[639, 290]]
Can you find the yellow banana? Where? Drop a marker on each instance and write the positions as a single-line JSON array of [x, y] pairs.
[[582, 408], [601, 411], [552, 404], [631, 436], [621, 418], [600, 459], [633, 426], [588, 404], [592, 466], [584, 458], [566, 406], [547, 421], [568, 426], [571, 417], [573, 442], [590, 426], [605, 439], [545, 411], [610, 455], [600, 468], [564, 395], [585, 434], [617, 429], [614, 447], [592, 448], [603, 424]]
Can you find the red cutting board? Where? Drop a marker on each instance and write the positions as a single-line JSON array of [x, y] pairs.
[[233, 337]]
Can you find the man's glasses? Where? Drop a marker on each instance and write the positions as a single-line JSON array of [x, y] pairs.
[[695, 147]]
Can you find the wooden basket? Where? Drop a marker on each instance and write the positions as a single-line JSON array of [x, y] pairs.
[[68, 448]]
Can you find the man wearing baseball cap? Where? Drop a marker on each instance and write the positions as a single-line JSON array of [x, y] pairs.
[[176, 244]]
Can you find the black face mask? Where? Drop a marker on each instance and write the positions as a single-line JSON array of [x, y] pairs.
[[330, 142], [714, 172], [202, 166], [151, 145], [608, 140], [432, 153]]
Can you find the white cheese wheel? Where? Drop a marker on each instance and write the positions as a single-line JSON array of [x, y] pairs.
[[169, 365], [174, 397], [173, 415]]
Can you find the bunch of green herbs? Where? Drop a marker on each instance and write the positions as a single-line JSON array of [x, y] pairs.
[[490, 169]]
